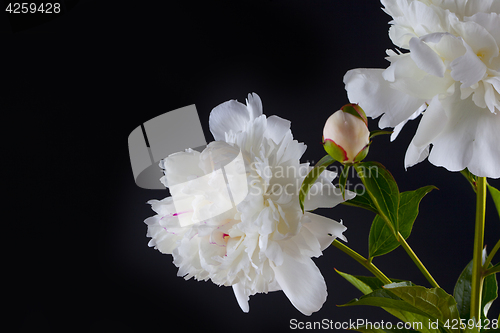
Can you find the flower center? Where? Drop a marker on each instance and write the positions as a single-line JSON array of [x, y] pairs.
[[481, 55]]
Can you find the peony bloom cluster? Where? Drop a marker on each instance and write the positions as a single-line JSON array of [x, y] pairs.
[[451, 75], [261, 241]]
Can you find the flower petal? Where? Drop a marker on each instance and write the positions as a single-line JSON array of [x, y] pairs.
[[241, 296], [400, 126], [468, 69], [277, 127], [368, 88], [485, 160], [325, 195], [478, 39], [254, 105], [302, 283], [230, 115], [181, 167], [453, 148], [425, 58], [432, 123], [322, 227], [489, 21], [405, 76]]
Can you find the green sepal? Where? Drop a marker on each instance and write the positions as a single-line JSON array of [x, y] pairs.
[[356, 111], [311, 178], [335, 151], [471, 178], [362, 153]]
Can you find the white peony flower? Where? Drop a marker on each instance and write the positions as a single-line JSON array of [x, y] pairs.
[[452, 71], [262, 242]]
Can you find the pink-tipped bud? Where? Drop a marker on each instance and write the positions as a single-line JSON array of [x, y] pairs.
[[346, 136]]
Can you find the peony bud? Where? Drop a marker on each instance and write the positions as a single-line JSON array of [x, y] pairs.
[[346, 136]]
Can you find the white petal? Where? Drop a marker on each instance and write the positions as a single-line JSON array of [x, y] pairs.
[[325, 195], [254, 105], [322, 227], [274, 253], [241, 296], [492, 94], [423, 18], [449, 47], [277, 128], [425, 58], [468, 69], [375, 95], [302, 283], [475, 6], [489, 21], [485, 160], [230, 115], [391, 7], [453, 148], [478, 38], [406, 77], [400, 126], [431, 125], [181, 167], [400, 36]]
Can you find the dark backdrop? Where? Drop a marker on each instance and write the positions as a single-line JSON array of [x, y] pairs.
[[75, 86]]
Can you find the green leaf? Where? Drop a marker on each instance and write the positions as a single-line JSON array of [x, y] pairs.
[[495, 194], [435, 303], [462, 292], [361, 200], [367, 284], [385, 299], [312, 176], [382, 189], [408, 208], [490, 292], [382, 240]]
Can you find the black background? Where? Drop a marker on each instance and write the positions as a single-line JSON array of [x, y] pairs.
[[75, 86]]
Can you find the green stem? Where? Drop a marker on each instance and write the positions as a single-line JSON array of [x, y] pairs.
[[491, 255], [362, 260], [410, 252], [477, 266], [417, 261]]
